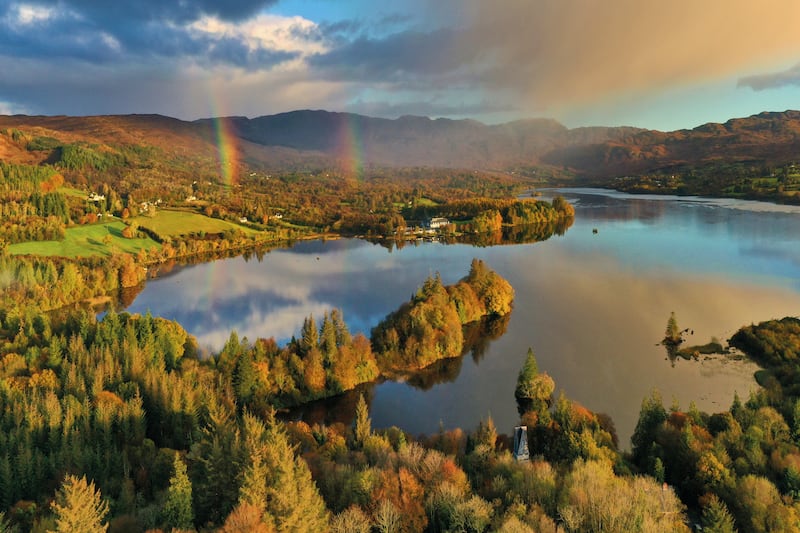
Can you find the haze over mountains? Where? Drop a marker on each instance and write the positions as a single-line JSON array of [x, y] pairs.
[[286, 139]]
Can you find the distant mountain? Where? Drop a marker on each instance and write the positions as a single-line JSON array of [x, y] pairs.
[[418, 141], [323, 137], [766, 138]]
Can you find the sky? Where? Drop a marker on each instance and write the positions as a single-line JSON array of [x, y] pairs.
[[646, 63]]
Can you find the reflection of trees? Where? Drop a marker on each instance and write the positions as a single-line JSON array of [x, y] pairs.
[[477, 338], [339, 409], [442, 371], [524, 233], [479, 334], [520, 234], [127, 295]]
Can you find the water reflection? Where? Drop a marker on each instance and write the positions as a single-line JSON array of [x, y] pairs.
[[508, 235], [592, 306]]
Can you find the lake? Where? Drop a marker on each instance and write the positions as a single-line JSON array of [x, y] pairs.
[[592, 306]]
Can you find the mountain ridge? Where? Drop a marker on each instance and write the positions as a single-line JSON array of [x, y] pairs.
[[768, 138]]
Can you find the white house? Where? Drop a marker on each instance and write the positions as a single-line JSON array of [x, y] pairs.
[[438, 222]]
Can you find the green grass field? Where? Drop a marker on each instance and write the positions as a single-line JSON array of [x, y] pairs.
[[68, 191], [85, 241], [176, 223]]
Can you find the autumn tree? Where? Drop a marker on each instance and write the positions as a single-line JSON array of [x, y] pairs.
[[363, 424], [534, 390], [79, 507]]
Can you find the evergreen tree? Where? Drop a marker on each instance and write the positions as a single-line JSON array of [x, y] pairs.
[[177, 512], [343, 337], [716, 518], [651, 416], [672, 335], [293, 500], [244, 377], [327, 340], [309, 337], [215, 472], [534, 390], [363, 424], [528, 373], [254, 490], [79, 507]]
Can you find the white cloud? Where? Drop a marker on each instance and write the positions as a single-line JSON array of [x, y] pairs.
[[266, 32], [27, 14], [9, 108]]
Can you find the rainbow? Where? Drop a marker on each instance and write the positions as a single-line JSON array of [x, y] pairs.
[[227, 149], [351, 147]]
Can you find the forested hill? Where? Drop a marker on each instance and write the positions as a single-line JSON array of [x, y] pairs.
[[300, 137]]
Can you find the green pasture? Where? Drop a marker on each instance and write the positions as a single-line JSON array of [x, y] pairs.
[[176, 223], [84, 241]]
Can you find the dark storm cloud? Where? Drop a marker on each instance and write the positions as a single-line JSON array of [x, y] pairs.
[[395, 57], [102, 31], [114, 13], [772, 80]]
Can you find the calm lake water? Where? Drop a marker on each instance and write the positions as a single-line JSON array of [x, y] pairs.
[[592, 306]]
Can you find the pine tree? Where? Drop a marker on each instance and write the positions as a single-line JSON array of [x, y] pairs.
[[651, 415], [363, 424], [309, 337], [244, 377], [293, 500], [215, 472], [672, 335], [534, 390], [343, 337], [254, 490], [327, 341], [79, 507], [177, 512], [526, 376], [716, 518]]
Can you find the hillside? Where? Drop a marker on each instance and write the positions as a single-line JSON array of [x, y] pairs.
[[767, 139], [302, 138]]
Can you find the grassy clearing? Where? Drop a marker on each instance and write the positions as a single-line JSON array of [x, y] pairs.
[[177, 223], [68, 191], [84, 241], [426, 202]]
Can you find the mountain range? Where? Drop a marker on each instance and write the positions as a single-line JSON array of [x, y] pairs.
[[322, 137]]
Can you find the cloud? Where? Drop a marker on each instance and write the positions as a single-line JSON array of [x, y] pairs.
[[505, 58], [67, 66], [120, 12], [396, 57], [121, 32], [760, 82], [549, 54]]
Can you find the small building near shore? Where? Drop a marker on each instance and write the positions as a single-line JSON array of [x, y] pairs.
[[437, 223]]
